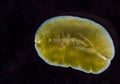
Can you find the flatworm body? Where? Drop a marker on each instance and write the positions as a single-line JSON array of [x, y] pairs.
[[79, 43]]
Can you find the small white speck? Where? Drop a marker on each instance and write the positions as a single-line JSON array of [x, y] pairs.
[[37, 41]]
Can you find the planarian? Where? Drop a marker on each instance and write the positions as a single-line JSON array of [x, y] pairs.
[[79, 43]]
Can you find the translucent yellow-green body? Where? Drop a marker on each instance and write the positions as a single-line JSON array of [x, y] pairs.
[[70, 41]]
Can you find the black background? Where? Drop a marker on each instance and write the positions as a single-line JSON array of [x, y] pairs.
[[19, 19]]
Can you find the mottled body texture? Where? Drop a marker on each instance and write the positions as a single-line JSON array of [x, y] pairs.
[[76, 42]]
